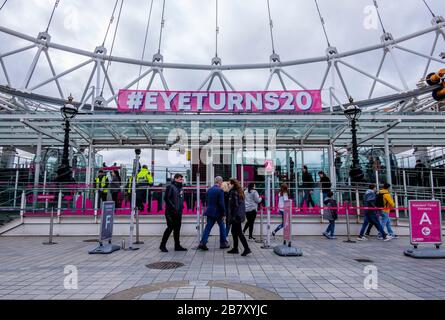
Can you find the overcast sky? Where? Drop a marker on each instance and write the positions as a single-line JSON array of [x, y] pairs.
[[189, 37]]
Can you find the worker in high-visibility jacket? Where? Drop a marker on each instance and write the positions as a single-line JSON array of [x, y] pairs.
[[101, 184], [144, 179]]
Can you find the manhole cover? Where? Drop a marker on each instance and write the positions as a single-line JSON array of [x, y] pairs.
[[363, 260], [165, 265]]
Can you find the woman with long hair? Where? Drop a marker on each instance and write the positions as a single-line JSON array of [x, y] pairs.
[[282, 196], [252, 201], [237, 215]]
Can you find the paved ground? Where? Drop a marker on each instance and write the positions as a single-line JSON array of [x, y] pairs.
[[327, 270]]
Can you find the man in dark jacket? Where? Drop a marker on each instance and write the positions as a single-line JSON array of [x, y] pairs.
[[307, 186], [174, 203], [215, 213]]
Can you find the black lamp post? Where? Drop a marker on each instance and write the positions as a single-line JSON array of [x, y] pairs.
[[64, 173], [353, 113]]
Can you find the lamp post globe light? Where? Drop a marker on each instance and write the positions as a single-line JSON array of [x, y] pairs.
[[353, 113], [64, 173]]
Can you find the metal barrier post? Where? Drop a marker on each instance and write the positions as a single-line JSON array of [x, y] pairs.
[[267, 242], [96, 205], [396, 202], [405, 203], [198, 208], [137, 228], [357, 201], [347, 225], [261, 226], [321, 205], [133, 199], [22, 206], [59, 206], [44, 189], [51, 228], [432, 185], [16, 186]]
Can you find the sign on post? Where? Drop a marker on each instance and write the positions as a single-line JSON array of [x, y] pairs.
[[106, 224], [106, 230], [425, 221], [268, 167]]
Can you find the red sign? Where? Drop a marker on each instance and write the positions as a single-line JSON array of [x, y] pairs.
[[425, 221]]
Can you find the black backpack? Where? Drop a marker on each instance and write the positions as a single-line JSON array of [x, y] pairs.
[[379, 201]]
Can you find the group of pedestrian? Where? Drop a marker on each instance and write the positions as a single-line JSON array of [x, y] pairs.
[[229, 208], [383, 202]]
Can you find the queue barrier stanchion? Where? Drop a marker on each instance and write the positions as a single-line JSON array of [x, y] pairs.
[[261, 226], [138, 241], [59, 206], [51, 229], [347, 225], [22, 206]]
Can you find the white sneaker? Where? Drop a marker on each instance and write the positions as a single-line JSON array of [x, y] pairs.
[[362, 238], [388, 238]]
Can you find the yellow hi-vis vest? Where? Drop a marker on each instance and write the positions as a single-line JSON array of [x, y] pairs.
[[102, 184], [143, 176]]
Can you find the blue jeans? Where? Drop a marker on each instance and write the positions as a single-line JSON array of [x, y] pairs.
[[371, 218], [222, 230], [386, 221], [325, 195], [227, 229], [331, 228], [281, 226]]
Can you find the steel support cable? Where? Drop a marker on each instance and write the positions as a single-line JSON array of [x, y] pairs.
[[271, 27], [431, 11], [56, 4], [145, 42], [216, 30], [112, 46], [379, 16], [110, 23], [322, 23], [4, 3], [162, 27]]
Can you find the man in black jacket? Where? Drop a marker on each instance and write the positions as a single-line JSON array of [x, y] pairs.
[[174, 203], [307, 186]]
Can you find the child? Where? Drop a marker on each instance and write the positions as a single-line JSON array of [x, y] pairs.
[[330, 214]]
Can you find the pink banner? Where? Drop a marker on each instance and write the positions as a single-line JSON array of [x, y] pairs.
[[308, 101], [425, 221]]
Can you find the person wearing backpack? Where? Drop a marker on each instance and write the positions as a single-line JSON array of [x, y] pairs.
[[385, 201], [371, 215], [330, 214], [237, 215]]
